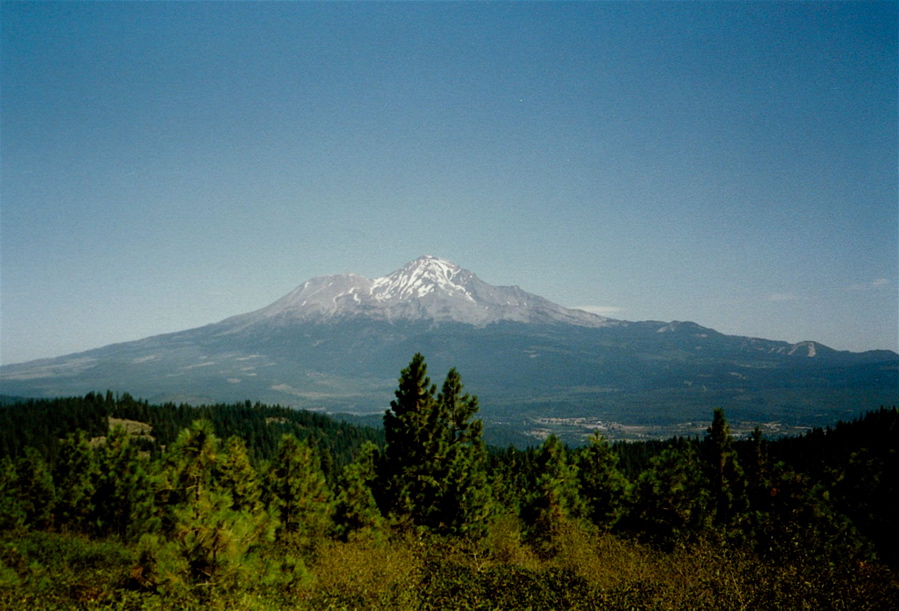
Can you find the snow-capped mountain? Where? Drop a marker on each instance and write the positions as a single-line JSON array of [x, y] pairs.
[[338, 343], [426, 289]]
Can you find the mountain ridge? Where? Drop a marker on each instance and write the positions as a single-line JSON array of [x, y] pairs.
[[336, 343], [427, 288]]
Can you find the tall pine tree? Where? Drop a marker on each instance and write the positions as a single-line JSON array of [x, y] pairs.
[[123, 500], [433, 471], [603, 487], [299, 491], [74, 475], [727, 484], [555, 496], [356, 513]]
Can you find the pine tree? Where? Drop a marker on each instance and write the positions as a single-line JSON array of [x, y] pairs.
[[409, 470], [208, 535], [35, 490], [74, 477], [433, 472], [299, 491], [237, 476], [12, 514], [554, 498], [727, 484], [464, 502], [668, 501], [602, 485], [191, 461], [123, 500], [356, 513]]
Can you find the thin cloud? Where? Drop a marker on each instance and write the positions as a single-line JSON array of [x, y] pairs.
[[878, 283]]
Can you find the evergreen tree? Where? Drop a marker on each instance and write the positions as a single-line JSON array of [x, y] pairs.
[[602, 485], [74, 477], [554, 497], [123, 500], [356, 512], [758, 479], [208, 533], [433, 472], [191, 461], [299, 491], [35, 490], [464, 501], [237, 476], [727, 484], [409, 470], [12, 514], [668, 501]]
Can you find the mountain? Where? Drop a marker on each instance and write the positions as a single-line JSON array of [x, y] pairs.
[[337, 343], [427, 289]]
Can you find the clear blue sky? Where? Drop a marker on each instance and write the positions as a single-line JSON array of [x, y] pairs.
[[166, 165]]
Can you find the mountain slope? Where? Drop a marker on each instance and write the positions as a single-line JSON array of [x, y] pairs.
[[426, 289], [338, 343]]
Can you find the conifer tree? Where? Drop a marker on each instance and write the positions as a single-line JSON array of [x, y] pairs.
[[727, 484], [554, 498], [356, 513], [208, 535], [668, 500], [464, 502], [237, 476], [192, 459], [35, 490], [602, 485], [757, 470], [299, 491], [123, 499], [12, 514], [433, 472], [408, 470], [74, 477]]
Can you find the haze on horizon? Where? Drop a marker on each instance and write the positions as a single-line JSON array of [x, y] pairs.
[[168, 165]]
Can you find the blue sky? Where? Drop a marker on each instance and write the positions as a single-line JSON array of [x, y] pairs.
[[167, 165]]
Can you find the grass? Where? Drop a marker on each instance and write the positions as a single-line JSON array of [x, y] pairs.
[[587, 570]]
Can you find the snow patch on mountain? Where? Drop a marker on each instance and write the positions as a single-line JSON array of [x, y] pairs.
[[421, 277], [426, 289]]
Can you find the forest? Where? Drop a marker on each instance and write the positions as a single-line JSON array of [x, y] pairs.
[[109, 502]]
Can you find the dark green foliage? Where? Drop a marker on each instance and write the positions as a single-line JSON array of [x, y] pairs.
[[432, 473], [299, 494], [12, 514], [34, 489], [123, 503], [237, 477], [42, 423], [75, 475], [464, 499], [667, 506], [206, 536], [602, 486], [795, 523], [356, 512], [408, 470], [554, 492], [726, 483], [858, 465]]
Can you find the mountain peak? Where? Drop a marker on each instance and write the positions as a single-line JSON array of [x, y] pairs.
[[426, 289], [423, 276]]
